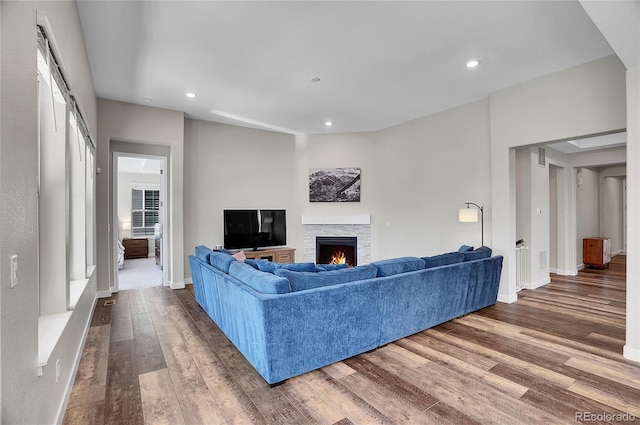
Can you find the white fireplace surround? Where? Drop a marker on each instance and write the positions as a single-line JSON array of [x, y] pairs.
[[358, 226]]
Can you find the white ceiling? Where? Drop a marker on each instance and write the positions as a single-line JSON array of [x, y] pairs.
[[379, 63], [607, 141]]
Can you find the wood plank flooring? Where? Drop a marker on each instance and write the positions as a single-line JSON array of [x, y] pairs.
[[553, 357]]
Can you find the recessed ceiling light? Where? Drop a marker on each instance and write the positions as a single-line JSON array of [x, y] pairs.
[[315, 80], [191, 95], [328, 123], [146, 100], [473, 63]]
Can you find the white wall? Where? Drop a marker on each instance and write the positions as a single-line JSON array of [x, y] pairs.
[[612, 208], [632, 345], [554, 202], [523, 200], [587, 207], [234, 167], [612, 211], [140, 126], [26, 397], [533, 214]]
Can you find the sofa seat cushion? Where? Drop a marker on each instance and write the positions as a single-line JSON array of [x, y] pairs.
[[270, 266], [221, 260], [301, 281], [203, 252], [478, 254], [395, 266], [264, 282], [443, 259]]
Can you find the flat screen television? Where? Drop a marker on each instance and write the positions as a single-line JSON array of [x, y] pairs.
[[244, 229]]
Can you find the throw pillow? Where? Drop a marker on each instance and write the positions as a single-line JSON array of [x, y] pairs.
[[240, 256], [465, 248]]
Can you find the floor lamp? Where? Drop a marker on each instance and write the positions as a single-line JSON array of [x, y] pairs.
[[470, 215]]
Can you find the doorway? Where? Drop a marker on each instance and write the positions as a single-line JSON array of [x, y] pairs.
[[140, 218]]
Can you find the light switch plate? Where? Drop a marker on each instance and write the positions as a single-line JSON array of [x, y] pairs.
[[14, 270]]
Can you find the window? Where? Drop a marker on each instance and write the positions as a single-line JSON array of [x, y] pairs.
[[66, 198], [145, 210], [66, 187]]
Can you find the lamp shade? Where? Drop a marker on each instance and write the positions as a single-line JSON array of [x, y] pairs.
[[126, 225], [468, 215]]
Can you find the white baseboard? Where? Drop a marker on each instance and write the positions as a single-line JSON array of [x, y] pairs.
[[188, 281], [539, 283], [176, 285], [104, 294], [508, 299], [631, 353], [564, 272]]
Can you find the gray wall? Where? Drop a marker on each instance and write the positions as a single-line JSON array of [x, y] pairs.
[[26, 397], [427, 170], [144, 130], [231, 167]]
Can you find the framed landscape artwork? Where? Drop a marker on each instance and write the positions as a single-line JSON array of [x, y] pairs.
[[334, 185]]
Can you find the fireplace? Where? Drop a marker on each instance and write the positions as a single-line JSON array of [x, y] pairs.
[[337, 250]]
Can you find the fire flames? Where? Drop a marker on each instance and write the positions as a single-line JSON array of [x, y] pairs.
[[339, 257]]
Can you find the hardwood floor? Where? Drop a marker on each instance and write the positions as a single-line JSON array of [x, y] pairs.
[[552, 357]]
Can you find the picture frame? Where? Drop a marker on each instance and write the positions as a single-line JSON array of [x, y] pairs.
[[334, 184]]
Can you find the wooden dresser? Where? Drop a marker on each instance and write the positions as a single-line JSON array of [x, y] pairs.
[[278, 255], [136, 248], [596, 252]]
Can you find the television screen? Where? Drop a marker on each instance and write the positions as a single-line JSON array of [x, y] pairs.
[[254, 228]]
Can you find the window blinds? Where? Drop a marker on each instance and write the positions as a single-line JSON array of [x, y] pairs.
[[57, 75]]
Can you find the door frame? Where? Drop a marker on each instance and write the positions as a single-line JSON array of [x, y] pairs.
[[163, 214]]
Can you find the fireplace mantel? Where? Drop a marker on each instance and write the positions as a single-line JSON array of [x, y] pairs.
[[336, 219]]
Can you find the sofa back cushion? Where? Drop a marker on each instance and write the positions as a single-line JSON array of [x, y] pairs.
[[443, 259], [270, 266], [221, 260], [301, 281], [395, 266], [477, 254], [202, 252], [263, 282]]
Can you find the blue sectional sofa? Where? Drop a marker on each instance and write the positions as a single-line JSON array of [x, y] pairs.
[[290, 319]]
